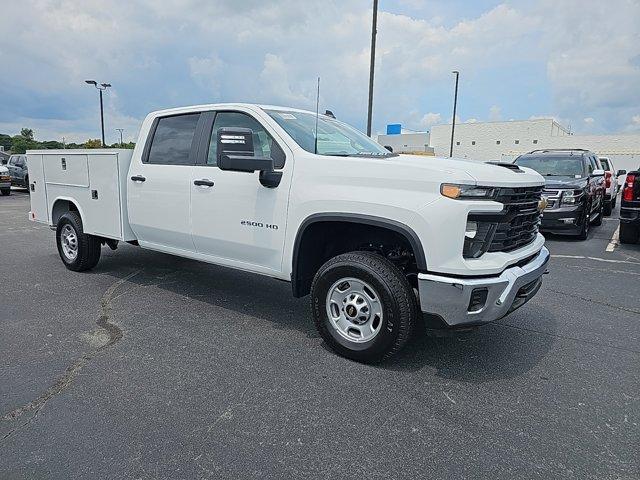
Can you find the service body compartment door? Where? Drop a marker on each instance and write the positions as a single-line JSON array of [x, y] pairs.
[[37, 188], [67, 169], [102, 210]]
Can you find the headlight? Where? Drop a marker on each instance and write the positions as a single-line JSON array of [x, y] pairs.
[[570, 197], [468, 192]]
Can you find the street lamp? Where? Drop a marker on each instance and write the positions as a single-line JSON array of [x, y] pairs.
[[455, 104], [101, 87], [372, 63], [120, 130]]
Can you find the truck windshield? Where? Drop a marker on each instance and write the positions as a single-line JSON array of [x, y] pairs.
[[548, 166], [334, 137]]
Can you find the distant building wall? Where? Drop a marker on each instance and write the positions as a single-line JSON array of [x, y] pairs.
[[407, 142], [485, 141]]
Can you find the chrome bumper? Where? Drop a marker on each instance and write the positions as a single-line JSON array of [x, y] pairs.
[[449, 297]]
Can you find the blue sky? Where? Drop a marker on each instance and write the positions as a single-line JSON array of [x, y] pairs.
[[576, 61]]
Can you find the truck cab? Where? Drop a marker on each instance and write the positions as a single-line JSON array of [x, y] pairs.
[[379, 240]]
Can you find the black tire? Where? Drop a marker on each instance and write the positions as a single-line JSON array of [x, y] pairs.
[[629, 233], [584, 228], [398, 305], [608, 208], [6, 191], [88, 246], [598, 221]]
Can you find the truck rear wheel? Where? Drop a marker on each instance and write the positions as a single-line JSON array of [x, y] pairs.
[[78, 251], [6, 191], [363, 306]]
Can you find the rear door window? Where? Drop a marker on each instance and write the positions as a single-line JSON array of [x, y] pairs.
[[172, 139]]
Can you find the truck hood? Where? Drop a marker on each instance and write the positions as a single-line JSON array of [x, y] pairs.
[[478, 173], [565, 182]]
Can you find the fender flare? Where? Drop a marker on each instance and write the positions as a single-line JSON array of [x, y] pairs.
[[383, 222]]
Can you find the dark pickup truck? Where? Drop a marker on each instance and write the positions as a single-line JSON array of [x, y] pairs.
[[630, 209]]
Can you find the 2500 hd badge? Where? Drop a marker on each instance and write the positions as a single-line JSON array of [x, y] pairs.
[[249, 223]]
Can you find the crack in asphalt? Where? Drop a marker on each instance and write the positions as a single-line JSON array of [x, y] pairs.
[[591, 300], [114, 334]]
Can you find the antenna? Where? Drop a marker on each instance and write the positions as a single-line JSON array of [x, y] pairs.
[[315, 148]]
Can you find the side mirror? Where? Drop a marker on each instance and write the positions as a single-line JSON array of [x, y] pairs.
[[389, 147], [235, 151], [621, 172], [597, 173]]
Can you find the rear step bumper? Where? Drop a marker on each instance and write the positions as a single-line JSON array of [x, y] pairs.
[[474, 301]]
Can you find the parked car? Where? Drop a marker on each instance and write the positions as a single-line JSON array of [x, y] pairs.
[[610, 184], [18, 170], [630, 209], [574, 189], [5, 181], [373, 236]]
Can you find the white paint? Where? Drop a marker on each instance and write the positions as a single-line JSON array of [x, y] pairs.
[[614, 241], [607, 260]]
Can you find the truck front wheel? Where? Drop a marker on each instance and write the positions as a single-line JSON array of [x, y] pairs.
[[78, 251], [363, 306]]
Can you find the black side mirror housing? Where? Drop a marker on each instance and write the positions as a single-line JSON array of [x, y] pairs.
[[235, 153], [621, 172]]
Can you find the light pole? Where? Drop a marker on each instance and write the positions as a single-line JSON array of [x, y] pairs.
[[455, 104], [372, 64], [120, 130], [101, 88]]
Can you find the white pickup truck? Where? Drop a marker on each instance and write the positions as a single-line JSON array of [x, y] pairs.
[[374, 237]]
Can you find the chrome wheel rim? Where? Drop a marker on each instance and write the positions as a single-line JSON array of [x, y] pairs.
[[354, 310], [69, 242]]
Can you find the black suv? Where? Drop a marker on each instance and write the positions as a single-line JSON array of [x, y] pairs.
[[630, 209], [574, 189]]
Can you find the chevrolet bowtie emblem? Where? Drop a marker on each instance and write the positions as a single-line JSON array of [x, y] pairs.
[[542, 204]]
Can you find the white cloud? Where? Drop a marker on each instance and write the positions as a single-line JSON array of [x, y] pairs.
[[471, 120], [495, 113], [589, 120], [430, 119]]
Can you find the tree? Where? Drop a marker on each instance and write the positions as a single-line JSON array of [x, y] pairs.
[[5, 141], [20, 144], [93, 143], [27, 133]]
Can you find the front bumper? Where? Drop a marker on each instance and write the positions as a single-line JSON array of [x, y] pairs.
[[567, 219], [451, 298]]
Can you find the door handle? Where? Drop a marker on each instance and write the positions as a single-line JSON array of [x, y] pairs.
[[203, 183], [138, 178]]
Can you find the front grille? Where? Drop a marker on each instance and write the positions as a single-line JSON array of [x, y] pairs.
[[520, 218]]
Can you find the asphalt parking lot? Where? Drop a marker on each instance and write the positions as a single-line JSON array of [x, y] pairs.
[[152, 366]]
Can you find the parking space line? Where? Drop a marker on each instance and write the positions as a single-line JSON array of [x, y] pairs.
[[615, 238], [608, 260]]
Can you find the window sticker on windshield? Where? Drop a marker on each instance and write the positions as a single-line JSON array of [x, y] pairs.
[[287, 116], [577, 176]]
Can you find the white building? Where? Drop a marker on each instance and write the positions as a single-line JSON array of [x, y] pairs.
[[414, 142], [504, 141]]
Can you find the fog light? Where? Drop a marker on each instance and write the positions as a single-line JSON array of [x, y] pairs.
[[472, 229], [477, 300]]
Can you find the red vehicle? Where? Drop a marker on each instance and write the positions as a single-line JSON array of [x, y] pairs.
[[630, 209]]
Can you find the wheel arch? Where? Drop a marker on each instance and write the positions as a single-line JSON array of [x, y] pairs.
[[62, 205], [300, 280]]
